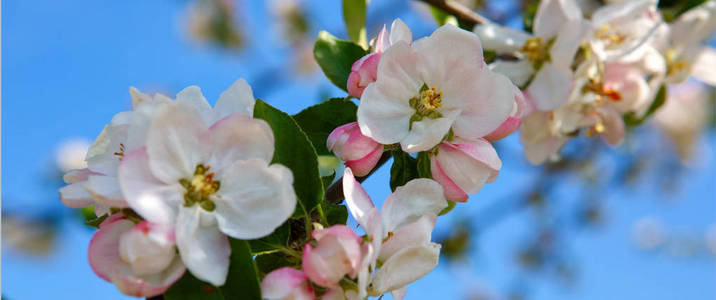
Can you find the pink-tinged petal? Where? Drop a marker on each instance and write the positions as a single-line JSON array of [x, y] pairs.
[[447, 51], [105, 190], [178, 140], [104, 255], [363, 166], [348, 143], [237, 99], [286, 283], [147, 248], [399, 32], [469, 164], [399, 294], [239, 137], [413, 234], [551, 87], [148, 196], [452, 191], [254, 199], [410, 202], [77, 175], [336, 254], [384, 112], [500, 39], [382, 41], [495, 97], [539, 143], [357, 199], [513, 122], [363, 72], [193, 97], [404, 267], [553, 15], [203, 248], [614, 128], [75, 195]]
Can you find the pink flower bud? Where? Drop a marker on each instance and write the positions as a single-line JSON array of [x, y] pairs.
[[140, 260], [336, 254], [363, 72], [286, 283], [359, 152], [513, 122], [462, 167]]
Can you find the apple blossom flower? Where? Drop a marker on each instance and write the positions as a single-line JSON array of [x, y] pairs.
[[337, 253], [545, 57], [365, 70], [286, 284], [139, 259], [621, 31], [683, 49], [684, 116], [540, 138], [434, 86], [208, 181], [398, 238], [462, 167], [359, 152]]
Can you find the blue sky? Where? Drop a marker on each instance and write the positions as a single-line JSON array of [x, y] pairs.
[[67, 67]]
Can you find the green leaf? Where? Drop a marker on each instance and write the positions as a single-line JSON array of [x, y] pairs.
[[95, 222], [269, 262], [190, 288], [335, 57], [294, 150], [242, 281], [423, 165], [335, 213], [441, 17], [354, 17], [318, 121], [632, 120], [276, 240], [404, 169], [529, 15]]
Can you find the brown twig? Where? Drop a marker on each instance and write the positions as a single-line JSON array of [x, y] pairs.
[[334, 193], [463, 14]]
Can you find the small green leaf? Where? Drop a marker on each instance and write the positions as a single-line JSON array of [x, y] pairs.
[[318, 121], [529, 15], [404, 169], [276, 240], [328, 180], [335, 57], [295, 151], [242, 281], [95, 222], [424, 165], [632, 120], [335, 213], [354, 17], [190, 288], [441, 17]]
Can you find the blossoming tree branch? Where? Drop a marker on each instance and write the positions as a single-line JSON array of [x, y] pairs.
[[227, 202]]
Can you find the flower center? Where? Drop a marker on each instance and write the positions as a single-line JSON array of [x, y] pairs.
[[200, 187], [610, 35], [426, 104], [536, 51]]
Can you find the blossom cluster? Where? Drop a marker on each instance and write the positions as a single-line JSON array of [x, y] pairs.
[[592, 74]]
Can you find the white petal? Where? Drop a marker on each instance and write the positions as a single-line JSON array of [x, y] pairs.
[[567, 43], [384, 111], [178, 140], [704, 68], [427, 133], [143, 115], [192, 96], [551, 87], [500, 39], [254, 199], [695, 25], [470, 165], [238, 137], [553, 15], [147, 195], [413, 234], [492, 105], [405, 267], [138, 97], [399, 294], [203, 248], [518, 72], [399, 32], [103, 154], [357, 199], [75, 195], [105, 189], [410, 202], [449, 52], [238, 98]]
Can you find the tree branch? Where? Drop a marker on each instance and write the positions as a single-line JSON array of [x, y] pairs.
[[334, 193], [463, 14]]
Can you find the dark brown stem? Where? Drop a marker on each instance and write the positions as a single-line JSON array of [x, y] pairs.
[[463, 14], [334, 193]]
